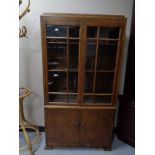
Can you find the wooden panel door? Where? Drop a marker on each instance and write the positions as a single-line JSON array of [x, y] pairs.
[[61, 127], [96, 128]]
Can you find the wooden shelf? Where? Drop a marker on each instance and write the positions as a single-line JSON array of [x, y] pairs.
[[58, 70], [59, 57], [53, 42], [63, 93], [104, 39], [63, 70], [49, 37], [101, 71], [100, 94]]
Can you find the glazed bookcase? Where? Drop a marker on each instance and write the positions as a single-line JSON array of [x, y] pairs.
[[82, 57]]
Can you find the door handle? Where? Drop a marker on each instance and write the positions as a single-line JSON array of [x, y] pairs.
[[76, 124]]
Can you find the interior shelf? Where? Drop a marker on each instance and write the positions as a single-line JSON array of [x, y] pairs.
[[104, 39], [65, 93], [50, 37], [101, 71], [99, 94], [63, 70]]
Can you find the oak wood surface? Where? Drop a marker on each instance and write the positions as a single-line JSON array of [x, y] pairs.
[[78, 123]]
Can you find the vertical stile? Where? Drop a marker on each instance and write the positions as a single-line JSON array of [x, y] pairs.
[[95, 68], [116, 68], [67, 62], [81, 64]]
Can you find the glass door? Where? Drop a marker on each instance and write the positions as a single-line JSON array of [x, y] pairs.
[[62, 53], [100, 59]]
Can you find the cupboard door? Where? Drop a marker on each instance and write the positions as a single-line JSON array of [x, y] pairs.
[[100, 59], [96, 128], [62, 42], [61, 127]]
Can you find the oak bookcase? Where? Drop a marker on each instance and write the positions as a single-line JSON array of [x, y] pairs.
[[81, 57]]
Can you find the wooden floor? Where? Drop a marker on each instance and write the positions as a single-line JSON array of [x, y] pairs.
[[118, 148]]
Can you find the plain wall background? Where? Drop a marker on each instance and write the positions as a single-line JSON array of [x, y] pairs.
[[30, 56]]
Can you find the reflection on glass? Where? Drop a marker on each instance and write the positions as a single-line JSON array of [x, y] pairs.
[[88, 98], [57, 81], [73, 54], [57, 63], [57, 98], [90, 55], [109, 32], [56, 50], [103, 99], [91, 32], [56, 30], [89, 77], [56, 53], [74, 31], [73, 82], [72, 98], [104, 82], [107, 51]]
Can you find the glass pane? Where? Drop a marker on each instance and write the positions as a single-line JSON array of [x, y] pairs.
[[107, 51], [56, 48], [57, 64], [72, 98], [90, 55], [56, 30], [109, 32], [89, 77], [57, 81], [56, 52], [74, 31], [73, 54], [73, 57], [57, 98], [102, 99], [91, 32], [88, 98], [73, 82], [104, 82]]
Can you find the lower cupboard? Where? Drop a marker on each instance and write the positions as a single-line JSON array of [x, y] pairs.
[[79, 127]]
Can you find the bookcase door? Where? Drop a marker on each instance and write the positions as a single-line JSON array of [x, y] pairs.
[[62, 127], [96, 128], [100, 64], [62, 44]]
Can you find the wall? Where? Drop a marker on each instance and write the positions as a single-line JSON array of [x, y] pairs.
[[30, 58]]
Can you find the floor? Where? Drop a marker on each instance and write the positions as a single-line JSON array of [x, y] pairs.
[[118, 148]]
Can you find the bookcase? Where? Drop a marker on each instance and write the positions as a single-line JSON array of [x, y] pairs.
[[81, 57]]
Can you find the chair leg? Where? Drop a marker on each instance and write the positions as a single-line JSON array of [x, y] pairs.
[[27, 139]]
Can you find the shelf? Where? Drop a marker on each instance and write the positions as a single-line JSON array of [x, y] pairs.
[[102, 43], [63, 70], [55, 57], [58, 70], [53, 42], [62, 97], [63, 93], [99, 94], [97, 98], [74, 38], [62, 103], [104, 39], [101, 71]]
